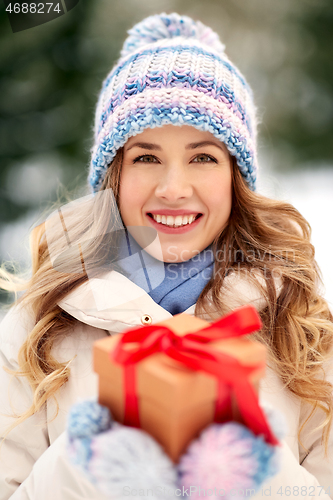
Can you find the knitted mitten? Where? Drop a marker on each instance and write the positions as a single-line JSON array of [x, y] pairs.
[[229, 460], [121, 460], [116, 458]]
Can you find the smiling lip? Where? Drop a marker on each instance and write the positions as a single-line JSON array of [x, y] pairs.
[[174, 230], [166, 211]]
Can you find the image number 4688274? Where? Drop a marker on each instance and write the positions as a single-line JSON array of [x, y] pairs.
[[24, 14]]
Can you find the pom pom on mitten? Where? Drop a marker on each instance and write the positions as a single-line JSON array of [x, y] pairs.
[[225, 459], [126, 461], [228, 458], [88, 418], [119, 460]]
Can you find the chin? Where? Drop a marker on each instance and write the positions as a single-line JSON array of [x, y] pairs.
[[179, 255]]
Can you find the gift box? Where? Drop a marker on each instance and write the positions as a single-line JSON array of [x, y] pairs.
[[174, 378]]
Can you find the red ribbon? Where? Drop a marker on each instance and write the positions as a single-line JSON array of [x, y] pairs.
[[190, 350]]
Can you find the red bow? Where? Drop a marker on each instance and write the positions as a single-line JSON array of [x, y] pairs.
[[190, 350]]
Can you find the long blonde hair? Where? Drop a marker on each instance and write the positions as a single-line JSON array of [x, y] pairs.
[[262, 234]]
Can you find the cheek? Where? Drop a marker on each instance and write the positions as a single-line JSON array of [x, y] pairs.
[[219, 196], [125, 196], [131, 195]]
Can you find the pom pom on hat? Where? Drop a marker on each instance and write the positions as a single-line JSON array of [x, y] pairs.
[[160, 26]]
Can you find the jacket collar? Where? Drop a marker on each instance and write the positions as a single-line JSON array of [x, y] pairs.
[[112, 302]]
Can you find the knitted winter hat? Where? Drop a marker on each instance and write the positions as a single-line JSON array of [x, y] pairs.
[[173, 70]]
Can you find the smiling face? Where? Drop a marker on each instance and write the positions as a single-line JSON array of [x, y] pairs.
[[178, 181]]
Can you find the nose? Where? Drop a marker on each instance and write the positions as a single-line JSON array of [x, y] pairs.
[[174, 184]]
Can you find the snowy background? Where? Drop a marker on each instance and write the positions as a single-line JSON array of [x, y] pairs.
[[311, 192]]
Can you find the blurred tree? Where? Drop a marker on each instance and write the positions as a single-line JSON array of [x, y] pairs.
[[310, 125], [49, 79], [305, 126]]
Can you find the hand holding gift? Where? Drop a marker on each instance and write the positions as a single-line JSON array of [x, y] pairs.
[[123, 461], [173, 380]]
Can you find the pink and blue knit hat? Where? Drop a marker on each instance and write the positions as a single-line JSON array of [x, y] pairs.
[[173, 70]]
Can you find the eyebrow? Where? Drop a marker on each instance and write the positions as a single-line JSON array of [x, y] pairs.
[[193, 145]]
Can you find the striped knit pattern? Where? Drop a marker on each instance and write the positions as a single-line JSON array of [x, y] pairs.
[[173, 70]]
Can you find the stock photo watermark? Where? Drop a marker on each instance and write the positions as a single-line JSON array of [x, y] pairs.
[[232, 255], [26, 14], [80, 241], [196, 491]]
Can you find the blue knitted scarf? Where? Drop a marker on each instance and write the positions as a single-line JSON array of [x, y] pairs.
[[175, 287]]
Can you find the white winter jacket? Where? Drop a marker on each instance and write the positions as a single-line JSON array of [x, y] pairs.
[[33, 462]]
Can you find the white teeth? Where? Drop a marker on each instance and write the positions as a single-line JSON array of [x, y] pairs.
[[179, 220]]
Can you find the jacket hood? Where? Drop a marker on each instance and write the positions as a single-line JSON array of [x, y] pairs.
[[113, 302]]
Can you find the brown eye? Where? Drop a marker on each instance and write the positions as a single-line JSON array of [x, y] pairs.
[[144, 159], [204, 159]]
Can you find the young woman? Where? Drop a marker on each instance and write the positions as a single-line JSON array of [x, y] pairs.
[[174, 156]]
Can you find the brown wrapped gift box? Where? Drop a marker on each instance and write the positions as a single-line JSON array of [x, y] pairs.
[[175, 403]]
